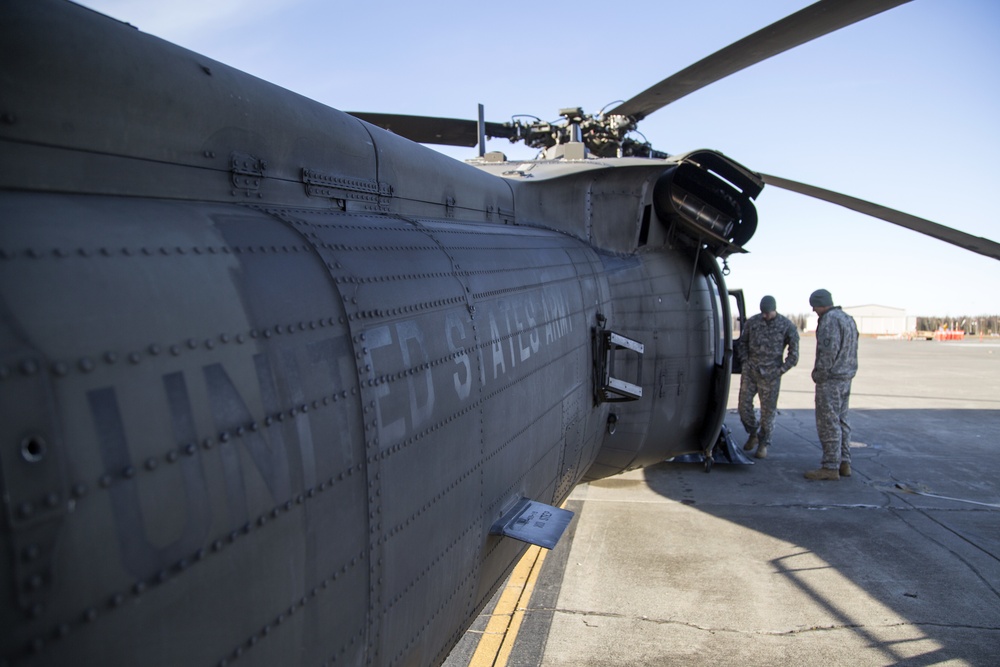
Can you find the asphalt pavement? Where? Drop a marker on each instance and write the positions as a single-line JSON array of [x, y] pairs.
[[755, 565]]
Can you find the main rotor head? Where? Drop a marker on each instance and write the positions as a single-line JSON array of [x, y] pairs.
[[604, 135]]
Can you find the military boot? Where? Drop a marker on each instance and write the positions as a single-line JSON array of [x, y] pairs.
[[845, 468], [761, 451], [823, 473], [751, 442]]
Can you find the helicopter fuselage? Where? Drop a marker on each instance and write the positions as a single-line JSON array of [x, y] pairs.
[[271, 375]]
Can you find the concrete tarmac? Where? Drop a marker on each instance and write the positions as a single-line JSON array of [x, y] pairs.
[[755, 565]]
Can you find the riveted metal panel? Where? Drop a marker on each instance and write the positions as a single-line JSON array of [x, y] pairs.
[[85, 111], [282, 350], [207, 443]]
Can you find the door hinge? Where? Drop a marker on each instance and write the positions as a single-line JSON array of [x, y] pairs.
[[247, 173]]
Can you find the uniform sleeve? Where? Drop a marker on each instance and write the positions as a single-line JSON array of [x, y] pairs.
[[741, 345], [827, 343], [792, 341], [743, 342]]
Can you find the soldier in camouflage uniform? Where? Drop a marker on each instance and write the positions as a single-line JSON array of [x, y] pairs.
[[836, 365], [761, 346]]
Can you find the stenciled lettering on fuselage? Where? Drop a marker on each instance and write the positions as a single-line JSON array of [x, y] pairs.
[[511, 332], [269, 431]]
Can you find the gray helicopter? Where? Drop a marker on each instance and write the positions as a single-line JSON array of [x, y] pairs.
[[279, 386]]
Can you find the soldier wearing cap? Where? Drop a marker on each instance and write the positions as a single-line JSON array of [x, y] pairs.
[[836, 365], [761, 347]]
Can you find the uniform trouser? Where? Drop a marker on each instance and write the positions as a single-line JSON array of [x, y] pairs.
[[752, 385], [832, 404]]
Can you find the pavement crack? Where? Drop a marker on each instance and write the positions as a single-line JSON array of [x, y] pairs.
[[833, 627], [827, 506], [985, 579]]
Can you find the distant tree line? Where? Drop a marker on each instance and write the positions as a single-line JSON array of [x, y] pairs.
[[986, 325], [799, 320], [972, 326]]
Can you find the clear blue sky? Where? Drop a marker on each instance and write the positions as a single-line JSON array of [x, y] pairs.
[[902, 109]]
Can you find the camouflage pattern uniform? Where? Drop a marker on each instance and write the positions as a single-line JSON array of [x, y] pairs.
[[760, 346], [836, 365]]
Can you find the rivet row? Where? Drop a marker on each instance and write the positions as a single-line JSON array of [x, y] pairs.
[[322, 587], [152, 464], [144, 251], [444, 605], [87, 364], [116, 600]]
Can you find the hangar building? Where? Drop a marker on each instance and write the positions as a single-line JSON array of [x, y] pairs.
[[874, 320]]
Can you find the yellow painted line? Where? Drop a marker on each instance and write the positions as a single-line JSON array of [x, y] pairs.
[[522, 606], [497, 640]]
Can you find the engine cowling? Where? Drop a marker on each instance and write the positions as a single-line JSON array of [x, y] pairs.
[[708, 198]]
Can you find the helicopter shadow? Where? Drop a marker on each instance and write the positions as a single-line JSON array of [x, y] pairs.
[[900, 562]]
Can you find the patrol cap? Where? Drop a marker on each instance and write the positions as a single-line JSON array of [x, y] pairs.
[[768, 305], [821, 298]]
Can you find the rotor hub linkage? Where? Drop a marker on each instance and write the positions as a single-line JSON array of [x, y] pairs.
[[603, 135]]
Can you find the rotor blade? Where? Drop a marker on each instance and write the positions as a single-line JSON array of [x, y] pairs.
[[976, 244], [433, 130], [803, 26]]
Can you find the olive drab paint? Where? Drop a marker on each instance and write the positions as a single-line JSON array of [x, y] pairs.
[[270, 376]]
